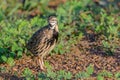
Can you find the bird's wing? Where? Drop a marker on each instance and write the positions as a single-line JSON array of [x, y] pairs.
[[37, 39]]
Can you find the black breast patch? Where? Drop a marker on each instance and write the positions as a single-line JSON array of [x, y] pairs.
[[55, 35]]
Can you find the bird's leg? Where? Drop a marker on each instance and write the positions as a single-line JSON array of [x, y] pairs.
[[43, 63], [40, 62]]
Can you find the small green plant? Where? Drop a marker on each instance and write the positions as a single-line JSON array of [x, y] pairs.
[[99, 77], [58, 75], [90, 69], [109, 49], [117, 75], [63, 75], [5, 57], [2, 69], [42, 76], [51, 74], [27, 73], [105, 73], [82, 75]]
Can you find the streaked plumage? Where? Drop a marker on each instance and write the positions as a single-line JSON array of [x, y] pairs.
[[44, 40]]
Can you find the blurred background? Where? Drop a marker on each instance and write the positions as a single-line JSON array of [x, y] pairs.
[[30, 8]]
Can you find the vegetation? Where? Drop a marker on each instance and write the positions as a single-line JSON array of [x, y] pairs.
[[19, 20]]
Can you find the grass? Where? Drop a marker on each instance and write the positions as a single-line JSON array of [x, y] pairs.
[[75, 18]]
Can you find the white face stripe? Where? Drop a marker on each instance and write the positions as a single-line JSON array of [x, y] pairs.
[[53, 23]]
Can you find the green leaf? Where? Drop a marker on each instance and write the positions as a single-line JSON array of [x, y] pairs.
[[2, 15], [106, 73], [68, 75], [82, 75], [2, 50], [117, 75], [4, 58], [22, 41], [42, 76], [12, 54], [90, 69], [19, 54], [51, 74], [14, 47], [100, 78], [27, 73], [10, 61]]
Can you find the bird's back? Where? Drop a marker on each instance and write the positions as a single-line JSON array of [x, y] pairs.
[[42, 41]]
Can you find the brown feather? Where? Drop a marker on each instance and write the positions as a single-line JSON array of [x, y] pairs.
[[43, 41]]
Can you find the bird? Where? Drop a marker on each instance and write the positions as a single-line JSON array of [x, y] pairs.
[[44, 40]]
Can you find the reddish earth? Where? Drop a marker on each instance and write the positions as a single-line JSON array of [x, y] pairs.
[[81, 56]]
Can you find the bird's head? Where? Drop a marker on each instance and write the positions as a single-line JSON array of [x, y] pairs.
[[52, 20]]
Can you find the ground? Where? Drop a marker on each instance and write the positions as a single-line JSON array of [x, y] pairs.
[[80, 57]]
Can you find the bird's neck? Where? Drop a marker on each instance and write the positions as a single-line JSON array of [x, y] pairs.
[[54, 27]]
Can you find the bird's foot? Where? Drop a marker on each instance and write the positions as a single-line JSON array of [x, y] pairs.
[[43, 69]]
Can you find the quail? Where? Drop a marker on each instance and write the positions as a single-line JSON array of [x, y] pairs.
[[44, 40]]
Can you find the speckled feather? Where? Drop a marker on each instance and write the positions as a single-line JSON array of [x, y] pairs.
[[43, 41]]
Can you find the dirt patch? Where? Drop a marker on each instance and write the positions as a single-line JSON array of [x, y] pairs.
[[79, 60]]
